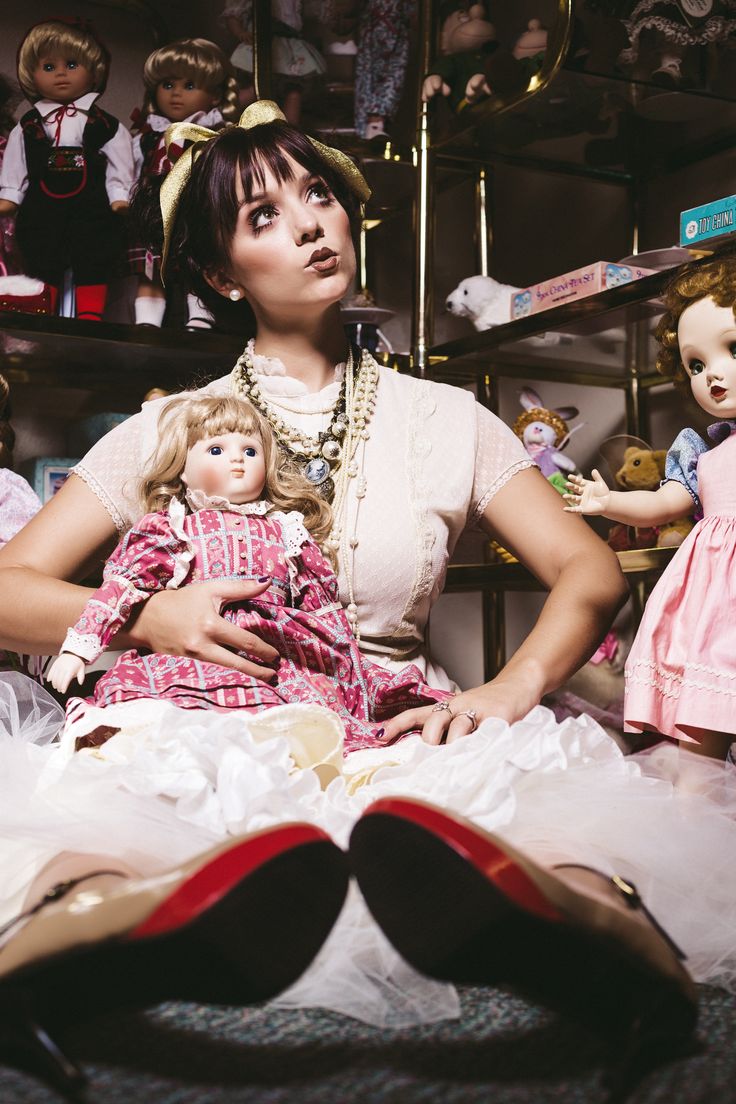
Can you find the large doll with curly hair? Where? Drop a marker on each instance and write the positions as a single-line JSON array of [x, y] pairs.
[[681, 672], [225, 502]]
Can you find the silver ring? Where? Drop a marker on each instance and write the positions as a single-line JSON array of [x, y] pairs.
[[472, 716], [441, 707]]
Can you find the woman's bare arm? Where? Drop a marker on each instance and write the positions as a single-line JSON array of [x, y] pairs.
[[586, 589], [40, 594]]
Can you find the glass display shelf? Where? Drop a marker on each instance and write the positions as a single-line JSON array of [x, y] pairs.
[[639, 565], [68, 352], [591, 124], [588, 341]]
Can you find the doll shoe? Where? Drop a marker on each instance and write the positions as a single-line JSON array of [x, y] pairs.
[[235, 925], [465, 906]]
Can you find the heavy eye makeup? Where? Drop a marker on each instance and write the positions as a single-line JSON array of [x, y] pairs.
[[265, 214]]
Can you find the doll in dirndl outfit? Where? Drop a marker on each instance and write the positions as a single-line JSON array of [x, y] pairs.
[[225, 502], [680, 675], [189, 81], [68, 165]]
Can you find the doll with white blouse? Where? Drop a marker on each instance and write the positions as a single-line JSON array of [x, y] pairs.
[[224, 502], [68, 166], [295, 63], [187, 81], [680, 675]]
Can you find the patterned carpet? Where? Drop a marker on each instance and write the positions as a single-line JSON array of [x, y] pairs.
[[503, 1050]]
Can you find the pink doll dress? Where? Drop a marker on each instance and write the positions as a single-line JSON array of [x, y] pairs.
[[300, 615], [681, 671]]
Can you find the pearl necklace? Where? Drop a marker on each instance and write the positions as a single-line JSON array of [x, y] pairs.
[[348, 431], [322, 451]]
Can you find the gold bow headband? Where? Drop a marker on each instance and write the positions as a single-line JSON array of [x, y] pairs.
[[258, 113]]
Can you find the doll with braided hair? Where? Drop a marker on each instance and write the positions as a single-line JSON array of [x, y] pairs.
[[189, 80], [681, 671]]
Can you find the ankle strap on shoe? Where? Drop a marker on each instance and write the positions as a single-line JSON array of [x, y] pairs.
[[628, 891], [54, 894]]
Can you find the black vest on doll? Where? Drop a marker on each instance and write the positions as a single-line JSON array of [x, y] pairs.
[[65, 219]]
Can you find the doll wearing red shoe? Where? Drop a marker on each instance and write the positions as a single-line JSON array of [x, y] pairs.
[[68, 166]]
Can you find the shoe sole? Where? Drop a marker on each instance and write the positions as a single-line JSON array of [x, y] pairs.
[[436, 899], [222, 937]]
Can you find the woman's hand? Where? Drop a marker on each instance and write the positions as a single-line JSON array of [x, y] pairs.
[[188, 622], [505, 698], [587, 496]]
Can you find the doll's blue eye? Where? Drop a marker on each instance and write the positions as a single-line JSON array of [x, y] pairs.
[[250, 451], [72, 64], [190, 86], [215, 450], [732, 349]]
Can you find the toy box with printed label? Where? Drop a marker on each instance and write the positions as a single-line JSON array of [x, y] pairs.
[[710, 222], [574, 285]]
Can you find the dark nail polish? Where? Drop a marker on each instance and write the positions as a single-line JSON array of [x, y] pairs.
[[264, 578], [380, 733]]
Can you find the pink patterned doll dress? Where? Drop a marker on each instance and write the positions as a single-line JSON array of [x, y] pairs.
[[681, 671], [300, 615]]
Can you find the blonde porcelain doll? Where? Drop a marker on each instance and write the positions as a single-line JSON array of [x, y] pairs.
[[681, 672], [227, 505]]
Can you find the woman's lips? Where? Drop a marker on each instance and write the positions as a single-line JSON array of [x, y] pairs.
[[323, 260]]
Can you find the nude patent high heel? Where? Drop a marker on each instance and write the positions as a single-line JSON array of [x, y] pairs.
[[236, 925], [464, 906]]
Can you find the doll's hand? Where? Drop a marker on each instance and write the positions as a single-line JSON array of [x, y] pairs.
[[432, 85], [64, 670], [7, 208], [587, 496], [476, 88], [119, 205], [187, 622]]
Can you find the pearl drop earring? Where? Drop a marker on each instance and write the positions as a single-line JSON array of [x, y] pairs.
[[235, 294]]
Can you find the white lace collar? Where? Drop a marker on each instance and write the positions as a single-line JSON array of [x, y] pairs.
[[198, 500], [275, 383]]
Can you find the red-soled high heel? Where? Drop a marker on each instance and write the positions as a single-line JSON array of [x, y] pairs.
[[465, 906], [236, 925]]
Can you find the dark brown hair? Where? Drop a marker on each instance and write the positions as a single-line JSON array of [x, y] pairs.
[[208, 210]]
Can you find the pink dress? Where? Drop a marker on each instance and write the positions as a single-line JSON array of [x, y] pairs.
[[300, 615], [681, 671]]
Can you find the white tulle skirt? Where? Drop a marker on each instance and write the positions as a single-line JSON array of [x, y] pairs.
[[173, 781]]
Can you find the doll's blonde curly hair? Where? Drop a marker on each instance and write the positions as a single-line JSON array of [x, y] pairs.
[[198, 60], [75, 42], [715, 279], [185, 420]]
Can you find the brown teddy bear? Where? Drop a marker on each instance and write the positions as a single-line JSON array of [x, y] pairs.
[[643, 470]]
